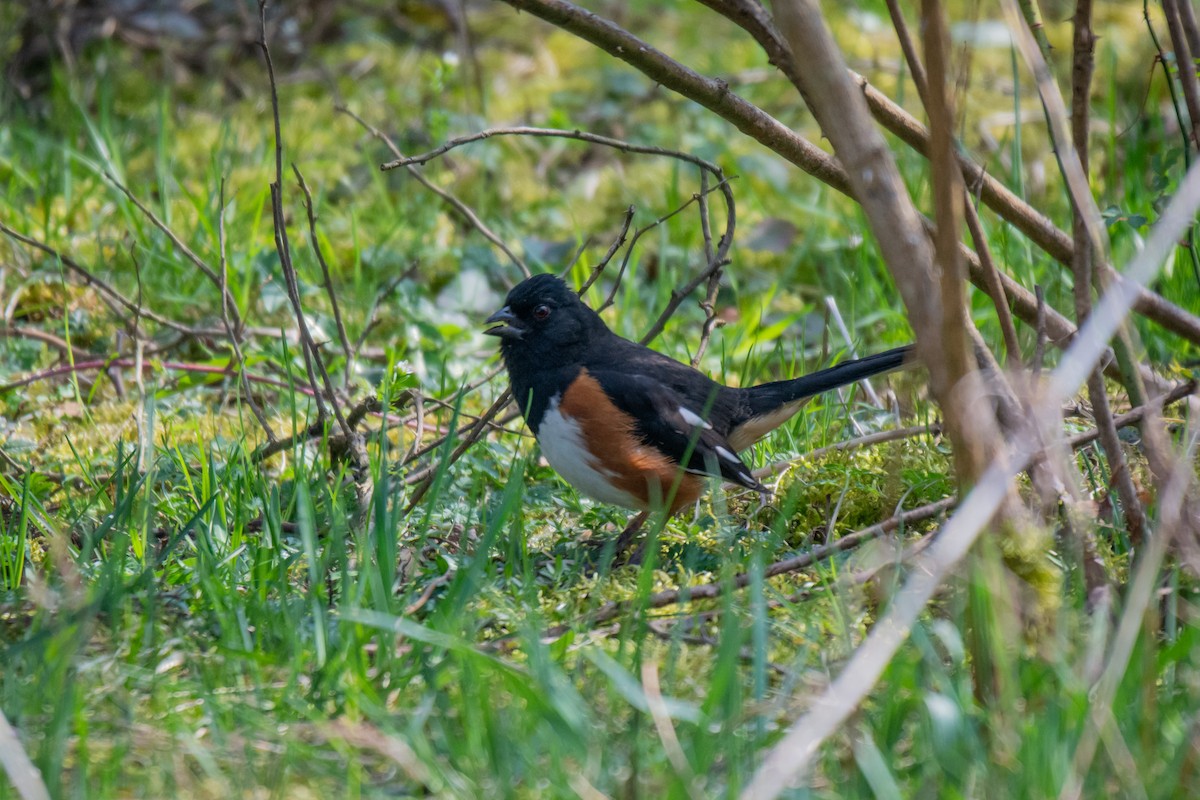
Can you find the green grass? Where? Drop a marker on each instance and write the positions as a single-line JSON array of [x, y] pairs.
[[179, 620]]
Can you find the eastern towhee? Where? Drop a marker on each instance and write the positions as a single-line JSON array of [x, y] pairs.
[[627, 425]]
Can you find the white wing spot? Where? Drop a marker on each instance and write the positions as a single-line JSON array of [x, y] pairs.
[[693, 419], [725, 454]]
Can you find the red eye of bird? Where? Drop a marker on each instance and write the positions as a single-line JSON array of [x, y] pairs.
[[541, 312]]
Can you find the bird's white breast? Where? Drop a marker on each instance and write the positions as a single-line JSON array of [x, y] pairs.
[[563, 445]]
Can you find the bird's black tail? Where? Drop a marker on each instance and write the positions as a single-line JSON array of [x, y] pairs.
[[768, 397]]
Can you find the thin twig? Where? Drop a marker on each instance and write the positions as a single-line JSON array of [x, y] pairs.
[[712, 267], [230, 330], [993, 285], [1185, 66], [1135, 416], [147, 366], [867, 440], [356, 414], [313, 363], [554, 133], [111, 296], [752, 17], [709, 303], [642, 231], [622, 235], [181, 246], [465, 211], [424, 478], [792, 755], [49, 339], [1082, 266], [706, 591], [328, 279]]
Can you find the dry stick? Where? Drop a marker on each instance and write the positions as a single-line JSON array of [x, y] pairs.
[[350, 444], [191, 256], [620, 239], [790, 758], [112, 297], [709, 303], [720, 256], [850, 444], [146, 366], [754, 19], [757, 124], [25, 776], [424, 478], [230, 330], [368, 405], [611, 297], [1081, 265], [1078, 188], [312, 357], [993, 285], [1174, 516], [971, 452], [49, 339], [1135, 416], [552, 133], [465, 211], [333, 301], [470, 387], [497, 425], [1184, 65], [706, 591], [677, 295], [1191, 32]]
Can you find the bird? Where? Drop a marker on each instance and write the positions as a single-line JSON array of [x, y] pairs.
[[632, 427]]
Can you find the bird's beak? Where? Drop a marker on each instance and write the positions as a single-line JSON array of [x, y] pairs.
[[507, 326]]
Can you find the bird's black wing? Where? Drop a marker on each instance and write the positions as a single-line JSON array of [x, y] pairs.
[[675, 425]]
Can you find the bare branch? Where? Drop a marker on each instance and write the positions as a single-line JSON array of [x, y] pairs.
[[188, 253], [1082, 266], [753, 18], [1185, 64], [706, 591], [25, 776], [790, 758], [312, 357], [230, 329], [465, 211], [333, 301], [111, 296]]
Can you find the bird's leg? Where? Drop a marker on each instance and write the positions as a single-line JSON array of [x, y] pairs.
[[624, 539], [631, 531]]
